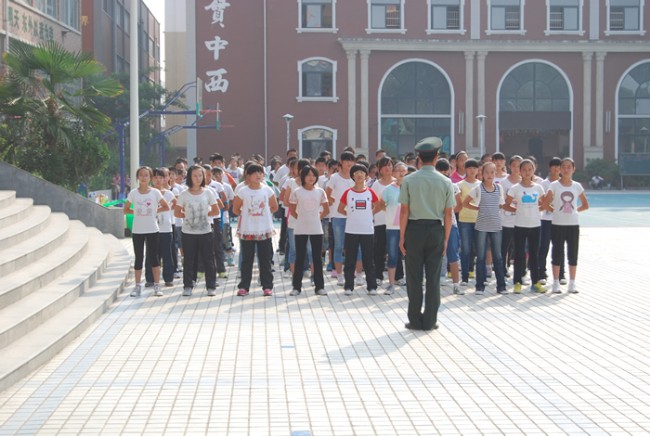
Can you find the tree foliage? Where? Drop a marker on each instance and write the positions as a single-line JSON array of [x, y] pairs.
[[51, 124]]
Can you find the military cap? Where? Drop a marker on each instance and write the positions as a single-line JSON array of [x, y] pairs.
[[430, 145]]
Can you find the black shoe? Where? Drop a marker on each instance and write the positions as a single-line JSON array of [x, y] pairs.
[[410, 326], [435, 327]]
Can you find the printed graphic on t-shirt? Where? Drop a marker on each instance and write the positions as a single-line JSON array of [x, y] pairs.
[[529, 198], [196, 216], [360, 204], [256, 207], [144, 207], [567, 202]]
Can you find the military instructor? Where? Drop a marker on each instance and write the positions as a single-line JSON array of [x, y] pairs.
[[427, 200]]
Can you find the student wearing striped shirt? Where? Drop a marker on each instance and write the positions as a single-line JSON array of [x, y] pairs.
[[488, 199]]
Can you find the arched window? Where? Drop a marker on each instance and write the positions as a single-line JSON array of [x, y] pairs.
[[535, 112], [316, 139], [317, 80], [634, 110], [416, 102]]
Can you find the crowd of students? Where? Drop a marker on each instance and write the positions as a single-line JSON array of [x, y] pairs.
[[343, 216]]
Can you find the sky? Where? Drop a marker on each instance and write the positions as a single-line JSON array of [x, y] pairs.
[[157, 8]]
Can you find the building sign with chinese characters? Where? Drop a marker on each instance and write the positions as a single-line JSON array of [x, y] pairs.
[[215, 80], [29, 25]]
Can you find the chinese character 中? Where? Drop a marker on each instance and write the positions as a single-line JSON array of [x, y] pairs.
[[217, 7], [216, 46], [217, 82]]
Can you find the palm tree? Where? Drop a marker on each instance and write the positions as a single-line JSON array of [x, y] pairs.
[[46, 89]]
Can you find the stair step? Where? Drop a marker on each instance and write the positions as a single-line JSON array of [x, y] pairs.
[[24, 315], [36, 247], [15, 211], [35, 222], [7, 197], [45, 341], [38, 275]]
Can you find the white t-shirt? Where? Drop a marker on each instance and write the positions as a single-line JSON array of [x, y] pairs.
[[390, 195], [280, 174], [177, 189], [338, 186], [291, 185], [217, 188], [256, 220], [166, 218], [197, 207], [546, 215], [230, 196], [358, 206], [565, 203], [308, 207], [528, 200], [145, 208], [378, 187], [507, 218]]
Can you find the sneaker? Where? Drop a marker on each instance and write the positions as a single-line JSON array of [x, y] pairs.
[[137, 290], [340, 280], [267, 292], [563, 281], [525, 282], [169, 284], [538, 287], [556, 288], [572, 288], [231, 260], [479, 292], [348, 292], [212, 292], [359, 280], [178, 275], [379, 281], [542, 282], [472, 275], [187, 292], [372, 292], [506, 275], [157, 291], [222, 275], [488, 274], [334, 274], [448, 274], [390, 290], [330, 267], [502, 291], [148, 285], [321, 292], [242, 292], [458, 290], [294, 292], [401, 282], [463, 283], [517, 288], [287, 274]]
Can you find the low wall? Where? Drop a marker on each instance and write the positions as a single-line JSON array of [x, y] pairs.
[[107, 220]]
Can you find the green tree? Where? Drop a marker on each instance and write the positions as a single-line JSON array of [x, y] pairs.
[[50, 122]]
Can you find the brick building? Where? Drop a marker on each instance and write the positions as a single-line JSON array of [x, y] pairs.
[[552, 77]]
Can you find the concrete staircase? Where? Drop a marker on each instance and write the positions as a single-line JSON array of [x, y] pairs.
[[58, 276]]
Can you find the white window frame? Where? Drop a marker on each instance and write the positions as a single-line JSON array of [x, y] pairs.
[[370, 29], [641, 30], [330, 129], [334, 98], [522, 15], [301, 29], [580, 31], [460, 31]]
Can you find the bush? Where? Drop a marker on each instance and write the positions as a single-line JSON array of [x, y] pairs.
[[600, 167]]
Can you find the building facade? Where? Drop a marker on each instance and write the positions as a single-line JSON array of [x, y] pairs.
[[544, 78], [38, 21], [106, 27]]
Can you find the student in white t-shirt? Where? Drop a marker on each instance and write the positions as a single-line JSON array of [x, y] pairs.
[[384, 179], [562, 198], [358, 204], [307, 205], [147, 203], [336, 186], [527, 196], [197, 205], [255, 203], [165, 235]]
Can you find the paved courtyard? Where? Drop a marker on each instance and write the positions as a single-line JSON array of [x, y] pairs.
[[309, 365]]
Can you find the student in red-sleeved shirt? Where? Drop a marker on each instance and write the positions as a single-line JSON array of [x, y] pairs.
[[359, 204]]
